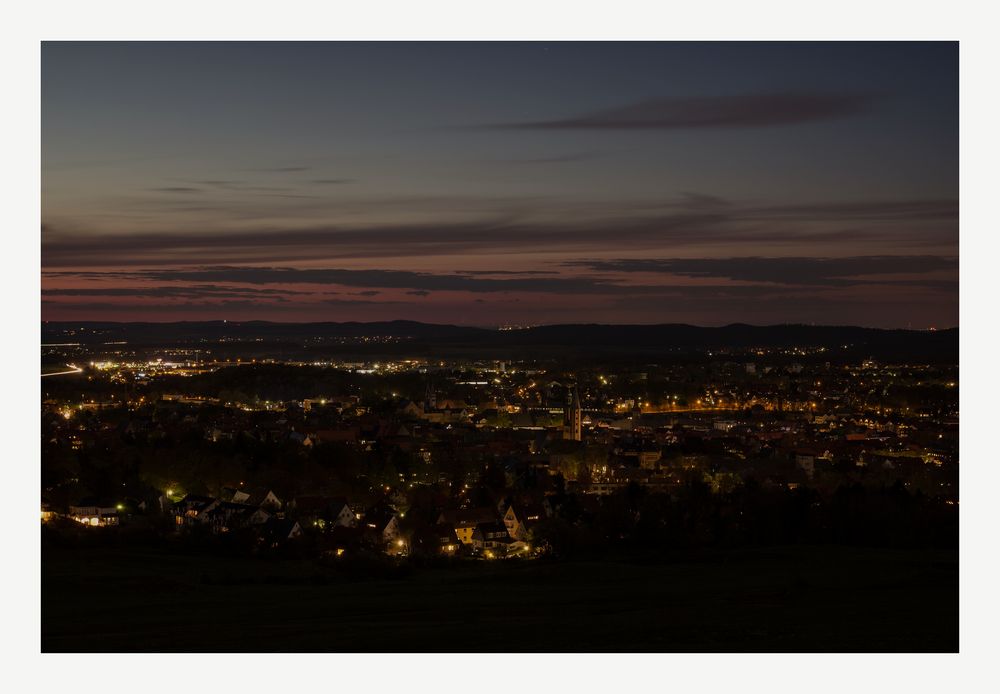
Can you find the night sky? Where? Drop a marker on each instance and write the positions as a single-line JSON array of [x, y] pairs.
[[501, 183]]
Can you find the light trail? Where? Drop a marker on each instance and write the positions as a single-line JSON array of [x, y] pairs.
[[73, 370]]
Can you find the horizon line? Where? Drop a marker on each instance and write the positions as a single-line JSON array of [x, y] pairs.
[[499, 326]]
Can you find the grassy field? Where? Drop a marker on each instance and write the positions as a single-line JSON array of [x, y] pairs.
[[785, 599]]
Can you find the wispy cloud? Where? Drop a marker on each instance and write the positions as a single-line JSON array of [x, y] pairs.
[[570, 158], [754, 277], [90, 307], [360, 302], [370, 279], [501, 273], [743, 111], [696, 220], [282, 169], [800, 271], [195, 291]]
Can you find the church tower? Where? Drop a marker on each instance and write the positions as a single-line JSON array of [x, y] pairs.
[[430, 397], [573, 419]]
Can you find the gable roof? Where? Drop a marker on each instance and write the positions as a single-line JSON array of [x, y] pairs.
[[464, 518]]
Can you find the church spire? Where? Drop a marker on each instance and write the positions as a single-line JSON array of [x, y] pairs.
[[430, 397], [573, 419]]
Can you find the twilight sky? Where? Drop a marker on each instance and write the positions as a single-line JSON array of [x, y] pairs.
[[498, 183]]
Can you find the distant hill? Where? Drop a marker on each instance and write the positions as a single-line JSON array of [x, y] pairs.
[[566, 340]]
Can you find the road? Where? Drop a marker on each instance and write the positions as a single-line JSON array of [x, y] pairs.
[[73, 369]]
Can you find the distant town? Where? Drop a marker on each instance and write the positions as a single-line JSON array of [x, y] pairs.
[[336, 457], [500, 347]]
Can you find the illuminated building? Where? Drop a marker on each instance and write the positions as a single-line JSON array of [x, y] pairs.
[[573, 418]]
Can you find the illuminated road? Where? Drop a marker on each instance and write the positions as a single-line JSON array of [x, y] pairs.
[[73, 369], [674, 410]]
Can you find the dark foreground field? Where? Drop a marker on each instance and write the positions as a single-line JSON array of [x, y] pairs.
[[789, 599]]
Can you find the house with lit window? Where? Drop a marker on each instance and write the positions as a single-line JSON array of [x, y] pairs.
[[492, 537], [464, 521], [520, 519], [188, 510], [447, 540], [381, 527], [96, 516], [226, 516]]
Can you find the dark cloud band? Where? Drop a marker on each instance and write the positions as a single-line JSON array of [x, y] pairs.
[[742, 111]]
